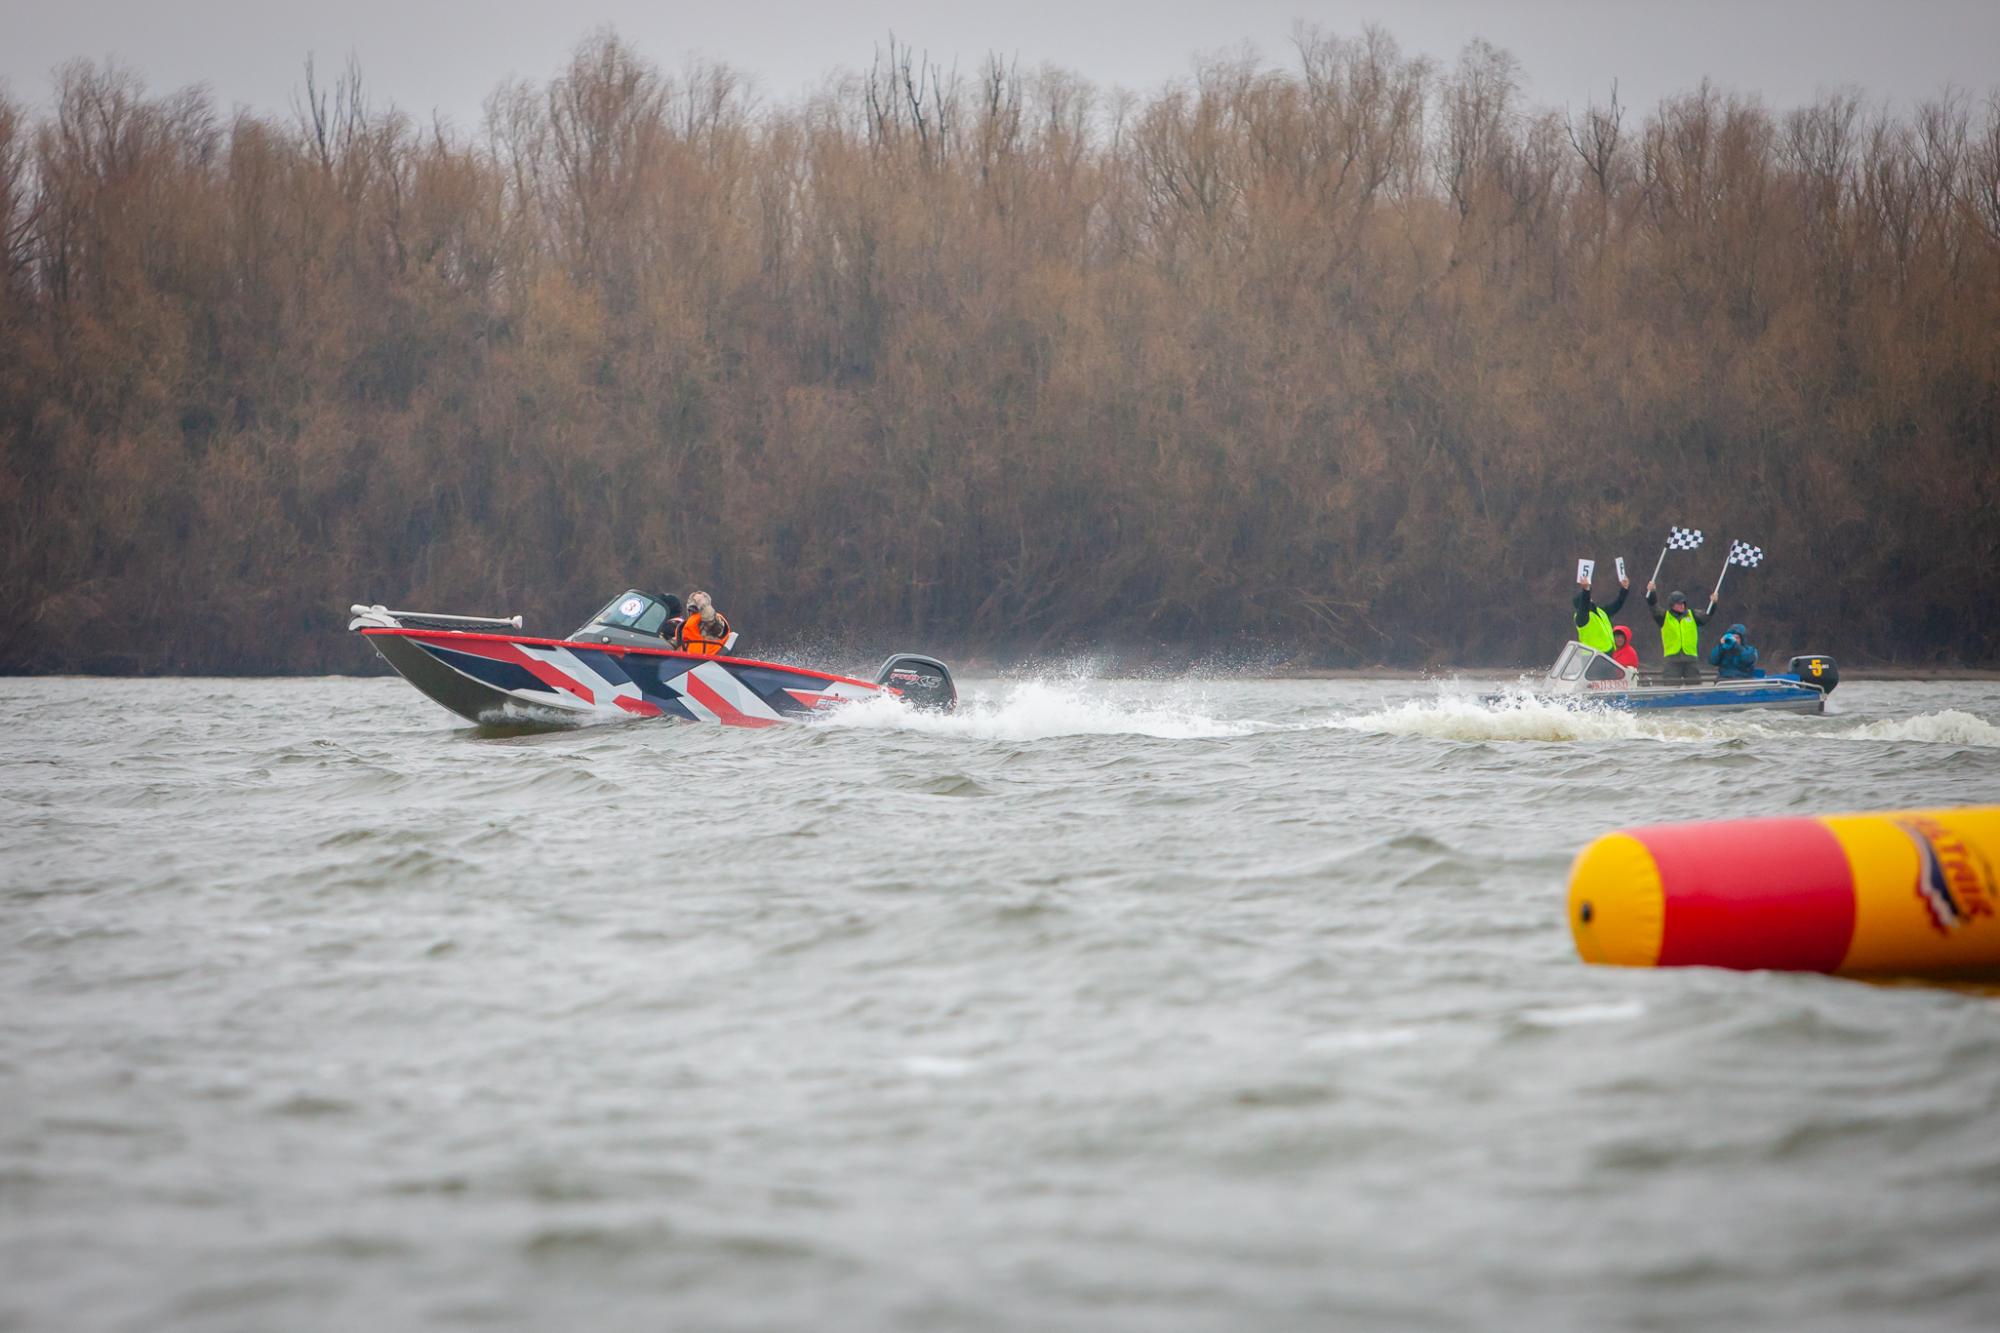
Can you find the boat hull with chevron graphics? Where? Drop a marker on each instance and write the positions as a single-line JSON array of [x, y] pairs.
[[498, 678]]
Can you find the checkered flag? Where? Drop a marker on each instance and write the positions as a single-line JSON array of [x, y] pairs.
[[1678, 539], [1742, 554]]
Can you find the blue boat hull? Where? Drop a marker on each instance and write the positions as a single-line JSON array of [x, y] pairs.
[[1781, 694], [1774, 693], [1589, 678]]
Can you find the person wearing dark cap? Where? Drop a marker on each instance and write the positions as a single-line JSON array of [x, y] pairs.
[[1680, 633]]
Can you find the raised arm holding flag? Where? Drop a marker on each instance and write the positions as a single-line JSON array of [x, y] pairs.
[[1680, 625]]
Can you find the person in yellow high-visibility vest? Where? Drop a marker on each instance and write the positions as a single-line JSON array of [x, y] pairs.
[[1593, 623], [1680, 633]]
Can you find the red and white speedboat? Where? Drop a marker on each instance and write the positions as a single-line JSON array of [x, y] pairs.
[[618, 665]]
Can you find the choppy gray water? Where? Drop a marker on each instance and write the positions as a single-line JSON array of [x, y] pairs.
[[1109, 1004]]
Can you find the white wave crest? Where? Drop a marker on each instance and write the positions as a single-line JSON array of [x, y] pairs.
[[1525, 717], [1949, 727], [514, 713], [1516, 717], [1575, 1015], [1039, 709]]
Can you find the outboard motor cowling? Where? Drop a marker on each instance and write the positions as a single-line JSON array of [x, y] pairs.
[[923, 682], [1817, 669]]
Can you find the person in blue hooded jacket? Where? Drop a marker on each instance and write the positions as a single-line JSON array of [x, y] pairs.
[[1733, 658]]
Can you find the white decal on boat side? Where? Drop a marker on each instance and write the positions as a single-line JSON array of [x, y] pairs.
[[679, 686], [734, 692], [603, 692]]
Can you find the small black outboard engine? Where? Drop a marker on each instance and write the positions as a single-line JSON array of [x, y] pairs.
[[1816, 669], [924, 682]]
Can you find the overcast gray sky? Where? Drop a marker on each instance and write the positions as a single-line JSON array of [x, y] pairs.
[[446, 55]]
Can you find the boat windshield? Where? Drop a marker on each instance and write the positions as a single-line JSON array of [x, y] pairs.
[[1602, 668], [633, 610], [1585, 668]]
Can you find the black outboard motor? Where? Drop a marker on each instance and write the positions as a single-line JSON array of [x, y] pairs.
[[1817, 669], [924, 682]]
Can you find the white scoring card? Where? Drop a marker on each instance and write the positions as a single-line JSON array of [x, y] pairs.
[[1621, 569], [1586, 570]]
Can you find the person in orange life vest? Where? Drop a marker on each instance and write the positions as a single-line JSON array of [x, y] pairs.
[[1624, 654], [705, 630]]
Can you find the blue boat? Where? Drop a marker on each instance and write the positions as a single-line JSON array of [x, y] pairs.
[[1592, 678]]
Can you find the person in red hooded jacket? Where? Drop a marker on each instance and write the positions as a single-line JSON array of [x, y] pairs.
[[1624, 654]]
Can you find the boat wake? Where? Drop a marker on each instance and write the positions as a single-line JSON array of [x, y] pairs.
[[1519, 717], [1525, 717], [1043, 709], [1075, 704], [1948, 727]]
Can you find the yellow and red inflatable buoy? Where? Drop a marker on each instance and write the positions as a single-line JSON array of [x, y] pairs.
[[1905, 894]]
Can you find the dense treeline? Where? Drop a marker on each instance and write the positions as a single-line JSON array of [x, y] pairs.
[[1353, 356]]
